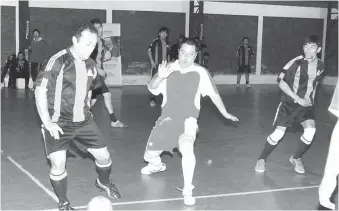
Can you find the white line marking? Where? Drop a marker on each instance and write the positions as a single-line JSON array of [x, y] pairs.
[[205, 197], [50, 193]]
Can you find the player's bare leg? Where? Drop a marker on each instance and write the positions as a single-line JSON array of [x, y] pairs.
[[247, 76], [186, 147], [109, 106], [238, 79]]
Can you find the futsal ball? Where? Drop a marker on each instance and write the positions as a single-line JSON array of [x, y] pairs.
[[99, 203]]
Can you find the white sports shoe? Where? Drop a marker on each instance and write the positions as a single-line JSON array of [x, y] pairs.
[[187, 192], [151, 169]]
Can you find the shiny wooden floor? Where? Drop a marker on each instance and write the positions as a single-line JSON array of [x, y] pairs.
[[226, 154]]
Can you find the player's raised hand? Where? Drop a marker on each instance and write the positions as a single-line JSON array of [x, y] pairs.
[[54, 129], [231, 117], [164, 70]]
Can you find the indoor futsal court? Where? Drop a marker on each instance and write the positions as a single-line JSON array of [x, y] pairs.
[[258, 40], [226, 153]]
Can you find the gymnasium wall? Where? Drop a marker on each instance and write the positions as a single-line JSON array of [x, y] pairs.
[[283, 39], [7, 32], [57, 24], [284, 28], [138, 30], [332, 51], [223, 34]]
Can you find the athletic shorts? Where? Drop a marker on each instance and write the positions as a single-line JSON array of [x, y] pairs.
[[166, 132], [290, 113], [102, 90], [244, 69], [84, 135]]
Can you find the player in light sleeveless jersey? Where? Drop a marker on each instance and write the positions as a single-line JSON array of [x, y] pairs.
[[182, 84]]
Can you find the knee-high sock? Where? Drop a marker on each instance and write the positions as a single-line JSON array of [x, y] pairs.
[[59, 183]]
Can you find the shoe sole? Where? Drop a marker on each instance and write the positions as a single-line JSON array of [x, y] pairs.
[[155, 172]]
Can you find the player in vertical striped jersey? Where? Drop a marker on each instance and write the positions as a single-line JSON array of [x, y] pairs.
[[244, 54], [158, 51], [63, 101], [298, 81], [182, 84], [98, 56]]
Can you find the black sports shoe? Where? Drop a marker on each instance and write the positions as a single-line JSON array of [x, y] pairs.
[[64, 205], [110, 189]]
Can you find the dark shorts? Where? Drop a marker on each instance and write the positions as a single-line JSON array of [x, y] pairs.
[[165, 134], [102, 90], [244, 69], [290, 113], [83, 134]]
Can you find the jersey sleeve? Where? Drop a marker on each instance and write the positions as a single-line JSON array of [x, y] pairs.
[[151, 46], [207, 86], [49, 73], [288, 70]]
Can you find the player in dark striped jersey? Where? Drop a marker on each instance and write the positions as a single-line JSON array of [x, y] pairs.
[[98, 56], [63, 101], [182, 84], [298, 81], [158, 51]]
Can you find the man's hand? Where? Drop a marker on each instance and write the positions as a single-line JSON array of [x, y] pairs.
[[303, 102], [164, 70], [54, 129], [231, 117]]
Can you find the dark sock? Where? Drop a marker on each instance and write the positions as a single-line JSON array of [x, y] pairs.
[[302, 147], [267, 150], [247, 82], [113, 117], [104, 171], [238, 82], [59, 183]]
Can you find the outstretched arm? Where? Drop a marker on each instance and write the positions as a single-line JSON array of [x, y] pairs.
[[208, 88]]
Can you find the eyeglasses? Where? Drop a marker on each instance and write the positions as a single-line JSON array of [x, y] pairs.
[[187, 54]]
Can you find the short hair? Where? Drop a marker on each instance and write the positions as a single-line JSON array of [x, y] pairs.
[[192, 42], [164, 29], [36, 30], [20, 52], [245, 38], [313, 39], [83, 26], [96, 21]]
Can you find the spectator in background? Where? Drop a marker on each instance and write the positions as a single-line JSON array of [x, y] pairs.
[[244, 55], [21, 70], [39, 52], [8, 68], [158, 51], [175, 48]]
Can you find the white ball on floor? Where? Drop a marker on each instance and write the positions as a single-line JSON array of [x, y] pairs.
[[209, 162], [99, 203]]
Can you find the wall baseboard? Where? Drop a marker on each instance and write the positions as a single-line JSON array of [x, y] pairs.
[[224, 79]]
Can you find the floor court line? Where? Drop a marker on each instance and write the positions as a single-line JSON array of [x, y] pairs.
[[35, 180], [205, 197]]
